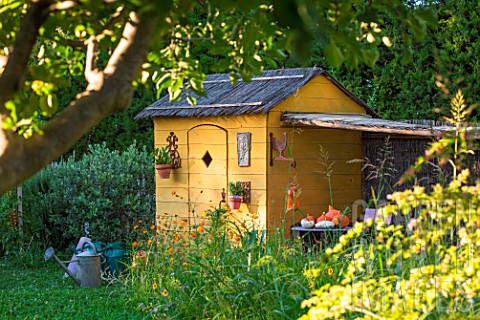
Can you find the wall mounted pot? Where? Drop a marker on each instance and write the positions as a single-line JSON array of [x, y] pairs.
[[163, 170], [234, 202]]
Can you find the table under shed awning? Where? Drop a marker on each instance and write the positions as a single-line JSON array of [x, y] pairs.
[[359, 123]]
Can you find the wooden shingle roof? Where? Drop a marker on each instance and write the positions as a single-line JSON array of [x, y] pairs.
[[257, 96]]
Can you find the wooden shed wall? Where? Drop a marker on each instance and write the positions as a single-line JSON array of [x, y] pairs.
[[319, 95], [201, 193]]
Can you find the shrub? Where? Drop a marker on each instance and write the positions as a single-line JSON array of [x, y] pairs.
[[101, 195]]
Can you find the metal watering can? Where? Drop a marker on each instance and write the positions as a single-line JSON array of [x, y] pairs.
[[88, 268]]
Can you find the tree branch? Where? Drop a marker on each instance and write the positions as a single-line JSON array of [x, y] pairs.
[[65, 5], [116, 17], [20, 159], [12, 78], [3, 63], [93, 76], [185, 39]]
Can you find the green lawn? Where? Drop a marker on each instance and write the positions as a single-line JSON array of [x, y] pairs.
[[43, 293]]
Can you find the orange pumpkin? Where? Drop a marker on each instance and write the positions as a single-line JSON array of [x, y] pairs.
[[332, 212], [332, 209], [341, 219], [331, 215], [323, 217]]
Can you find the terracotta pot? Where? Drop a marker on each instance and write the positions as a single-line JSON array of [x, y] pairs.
[[234, 202], [163, 170]]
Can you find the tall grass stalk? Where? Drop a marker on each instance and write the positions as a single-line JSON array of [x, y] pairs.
[[226, 272]]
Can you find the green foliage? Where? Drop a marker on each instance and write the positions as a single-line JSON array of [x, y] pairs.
[[344, 35], [235, 188], [428, 267], [446, 57], [217, 268], [118, 130], [239, 38], [107, 189], [161, 156]]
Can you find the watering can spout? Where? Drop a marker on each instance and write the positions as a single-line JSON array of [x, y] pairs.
[[50, 253]]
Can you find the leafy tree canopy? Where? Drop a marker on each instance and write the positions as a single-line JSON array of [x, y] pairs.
[[447, 57], [117, 45]]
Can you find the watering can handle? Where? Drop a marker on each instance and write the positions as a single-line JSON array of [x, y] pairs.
[[91, 244]]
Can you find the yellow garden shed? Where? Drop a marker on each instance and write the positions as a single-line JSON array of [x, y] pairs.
[[227, 136]]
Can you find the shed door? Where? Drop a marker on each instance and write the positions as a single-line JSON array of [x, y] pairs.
[[207, 163]]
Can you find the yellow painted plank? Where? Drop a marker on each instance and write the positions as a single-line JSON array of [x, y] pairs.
[[207, 194], [322, 188], [217, 166], [320, 79], [161, 136], [241, 121], [204, 195], [316, 134], [257, 150], [311, 166], [313, 197], [177, 180], [197, 151], [319, 182], [308, 104], [336, 152], [179, 208], [208, 180], [199, 208], [257, 166], [171, 194], [322, 91], [258, 134], [258, 198], [207, 135], [258, 180]]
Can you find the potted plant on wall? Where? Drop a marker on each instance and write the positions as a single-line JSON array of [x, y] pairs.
[[163, 162], [236, 194]]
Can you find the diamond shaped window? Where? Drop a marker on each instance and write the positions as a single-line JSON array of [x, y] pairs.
[[207, 159]]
